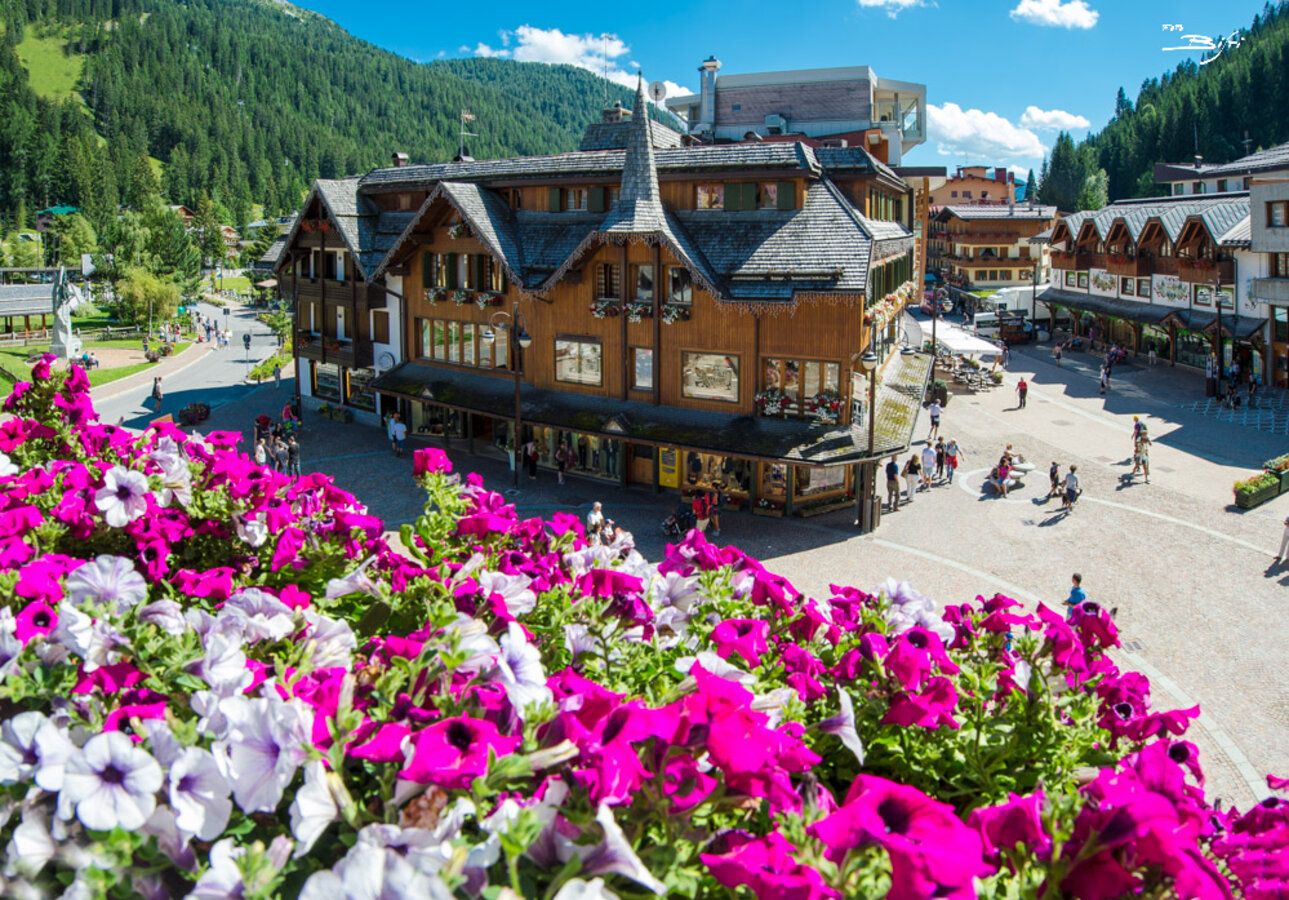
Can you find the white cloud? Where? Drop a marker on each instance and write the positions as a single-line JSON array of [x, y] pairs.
[[1053, 119], [979, 135], [1074, 14], [893, 7], [602, 54]]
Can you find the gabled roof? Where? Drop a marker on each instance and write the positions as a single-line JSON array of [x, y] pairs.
[[1239, 235], [273, 255], [1220, 213], [613, 135], [354, 216], [1016, 211]]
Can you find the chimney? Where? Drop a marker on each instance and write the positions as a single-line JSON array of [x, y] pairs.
[[707, 92], [1011, 208], [400, 160]]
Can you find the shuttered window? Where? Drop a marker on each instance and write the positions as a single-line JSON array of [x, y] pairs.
[[787, 195], [553, 199], [608, 281], [740, 196], [596, 201], [429, 269]]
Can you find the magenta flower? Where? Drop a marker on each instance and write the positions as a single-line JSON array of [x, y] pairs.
[[430, 460], [745, 637], [766, 867], [36, 618], [454, 752], [932, 853], [931, 708], [1018, 821]]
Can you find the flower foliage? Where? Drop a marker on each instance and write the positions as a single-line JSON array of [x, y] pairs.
[[221, 681]]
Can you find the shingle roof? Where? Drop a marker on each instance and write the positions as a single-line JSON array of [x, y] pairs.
[[355, 217], [26, 299], [1220, 213], [850, 159], [1276, 157], [273, 255], [1001, 212], [638, 209], [613, 136], [1239, 235], [719, 157]]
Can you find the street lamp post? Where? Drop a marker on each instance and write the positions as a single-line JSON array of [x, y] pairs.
[[866, 493], [520, 340], [1221, 342]]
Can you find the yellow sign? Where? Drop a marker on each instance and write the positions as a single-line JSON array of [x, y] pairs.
[[668, 467]]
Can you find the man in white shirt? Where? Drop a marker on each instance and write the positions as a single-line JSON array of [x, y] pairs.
[[1071, 489], [928, 466], [1284, 542], [595, 524], [934, 411]]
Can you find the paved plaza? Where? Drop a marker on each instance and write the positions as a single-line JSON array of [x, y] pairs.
[[1200, 601]]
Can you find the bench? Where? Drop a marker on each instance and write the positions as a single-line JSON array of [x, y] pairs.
[[1013, 482]]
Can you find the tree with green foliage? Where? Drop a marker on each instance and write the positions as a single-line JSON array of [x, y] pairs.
[[1094, 194], [1031, 186], [26, 254], [75, 237], [1066, 175], [144, 298], [206, 229], [171, 250], [264, 239]]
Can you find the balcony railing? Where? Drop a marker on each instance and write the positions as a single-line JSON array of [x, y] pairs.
[[1127, 265], [310, 289]]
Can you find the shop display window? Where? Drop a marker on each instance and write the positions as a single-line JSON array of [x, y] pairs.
[[577, 361], [708, 471], [710, 376], [358, 392], [326, 382], [774, 482], [814, 482]]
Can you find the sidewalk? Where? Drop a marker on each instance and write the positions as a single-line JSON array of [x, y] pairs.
[[142, 381]]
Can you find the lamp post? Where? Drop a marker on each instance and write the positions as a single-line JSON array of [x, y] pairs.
[[1221, 342], [520, 341], [867, 492]]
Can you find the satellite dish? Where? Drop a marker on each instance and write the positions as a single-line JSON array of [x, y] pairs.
[[657, 91]]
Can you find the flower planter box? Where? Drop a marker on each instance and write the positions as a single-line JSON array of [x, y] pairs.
[[766, 511], [807, 512], [1284, 481], [1250, 499]]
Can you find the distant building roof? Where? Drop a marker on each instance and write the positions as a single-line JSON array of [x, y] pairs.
[[59, 211], [1015, 211], [1272, 159], [613, 136], [1221, 213]]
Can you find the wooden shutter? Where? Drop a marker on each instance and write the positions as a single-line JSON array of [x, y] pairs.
[[427, 270], [450, 263], [478, 264], [787, 195], [552, 199], [595, 203]]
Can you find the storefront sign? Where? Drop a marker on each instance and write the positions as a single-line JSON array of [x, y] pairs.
[[1169, 290], [668, 467], [1102, 283]]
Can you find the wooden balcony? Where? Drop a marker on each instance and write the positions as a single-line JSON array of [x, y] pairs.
[[310, 349], [1204, 271], [348, 354], [334, 292], [1163, 265], [1133, 265]]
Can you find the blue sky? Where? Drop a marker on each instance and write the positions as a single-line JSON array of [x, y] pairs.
[[1002, 75]]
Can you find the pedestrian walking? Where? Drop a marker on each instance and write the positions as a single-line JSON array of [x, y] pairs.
[[561, 461], [1104, 379], [1150, 351], [399, 431], [714, 512], [939, 458], [1137, 428], [934, 410], [1007, 354], [702, 512], [389, 432], [928, 465], [293, 456], [893, 485], [277, 376], [951, 456], [261, 456], [912, 475], [1056, 351], [1022, 388], [281, 456], [156, 392], [530, 457], [1141, 455], [1078, 596], [1071, 486], [1284, 542], [1054, 476]]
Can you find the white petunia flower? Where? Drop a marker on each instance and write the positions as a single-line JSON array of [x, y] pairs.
[[111, 582], [578, 640], [112, 783], [224, 665], [333, 641], [166, 615], [266, 743], [714, 664], [266, 617], [472, 638], [18, 755], [356, 582], [843, 726], [222, 879], [31, 845], [7, 468], [172, 840], [123, 496], [199, 794], [251, 529], [519, 669], [375, 870], [53, 750], [674, 589], [577, 889], [314, 807], [614, 854], [74, 629], [514, 590]]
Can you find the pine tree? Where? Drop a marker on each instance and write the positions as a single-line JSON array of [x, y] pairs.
[[1031, 186], [1122, 105], [210, 239]]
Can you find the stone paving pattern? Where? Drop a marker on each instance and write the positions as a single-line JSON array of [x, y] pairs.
[[1200, 601]]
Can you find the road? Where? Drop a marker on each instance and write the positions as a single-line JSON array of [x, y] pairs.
[[217, 378]]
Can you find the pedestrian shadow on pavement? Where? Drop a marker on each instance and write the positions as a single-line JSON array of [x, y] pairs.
[[1126, 480]]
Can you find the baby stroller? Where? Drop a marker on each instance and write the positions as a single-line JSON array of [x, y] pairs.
[[680, 521]]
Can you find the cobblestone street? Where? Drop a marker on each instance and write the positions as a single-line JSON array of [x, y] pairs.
[[1193, 578]]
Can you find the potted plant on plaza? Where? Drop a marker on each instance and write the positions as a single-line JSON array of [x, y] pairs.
[[765, 507], [940, 391], [1256, 489]]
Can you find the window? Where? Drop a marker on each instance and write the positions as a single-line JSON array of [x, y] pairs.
[[575, 199], [380, 326], [810, 482], [453, 333], [1197, 187], [954, 193], [967, 194], [680, 285], [1278, 214], [1221, 185], [358, 392], [429, 270], [340, 324], [1070, 279], [767, 195], [709, 376], [1128, 286], [423, 338], [439, 339], [1280, 265], [608, 284], [577, 361], [1280, 324], [1179, 189], [463, 279], [642, 284], [517, 199], [1143, 287], [326, 381], [711, 196], [642, 368]]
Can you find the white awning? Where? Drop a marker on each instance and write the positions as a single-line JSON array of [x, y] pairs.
[[958, 341]]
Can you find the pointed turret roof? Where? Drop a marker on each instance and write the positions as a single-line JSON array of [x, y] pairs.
[[639, 207]]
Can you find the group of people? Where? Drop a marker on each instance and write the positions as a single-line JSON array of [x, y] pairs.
[[276, 445], [1067, 488], [1140, 448], [602, 530], [1009, 465], [935, 463], [89, 360]]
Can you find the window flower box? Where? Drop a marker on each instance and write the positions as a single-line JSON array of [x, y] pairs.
[[458, 230], [605, 309], [765, 507], [639, 310], [460, 297], [674, 312], [771, 402], [1258, 489], [436, 295], [483, 301], [825, 406], [820, 507]]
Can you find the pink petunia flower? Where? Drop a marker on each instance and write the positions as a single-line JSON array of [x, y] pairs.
[[454, 752]]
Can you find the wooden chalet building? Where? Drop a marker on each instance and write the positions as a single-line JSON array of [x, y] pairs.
[[989, 246], [688, 315], [1172, 273]]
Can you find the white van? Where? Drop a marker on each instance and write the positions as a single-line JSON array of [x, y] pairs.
[[985, 324]]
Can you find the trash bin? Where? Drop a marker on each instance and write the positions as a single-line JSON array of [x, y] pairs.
[[1210, 387]]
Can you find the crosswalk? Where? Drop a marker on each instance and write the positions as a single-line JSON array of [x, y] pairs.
[[1271, 414]]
